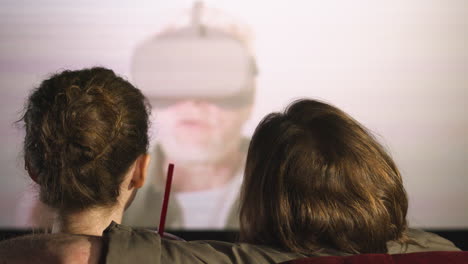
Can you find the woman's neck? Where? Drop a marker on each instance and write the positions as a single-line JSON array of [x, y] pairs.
[[87, 222]]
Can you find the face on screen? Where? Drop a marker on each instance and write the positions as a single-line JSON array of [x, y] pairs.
[[199, 131]]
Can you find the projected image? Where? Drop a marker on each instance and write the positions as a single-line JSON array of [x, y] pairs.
[[211, 71], [200, 79]]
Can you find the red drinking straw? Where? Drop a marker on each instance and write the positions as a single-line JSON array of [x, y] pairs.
[[162, 220]]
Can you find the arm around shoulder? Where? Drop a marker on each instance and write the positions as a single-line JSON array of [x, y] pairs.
[[47, 248]]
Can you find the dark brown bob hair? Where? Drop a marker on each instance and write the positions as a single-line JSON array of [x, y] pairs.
[[84, 129], [316, 179]]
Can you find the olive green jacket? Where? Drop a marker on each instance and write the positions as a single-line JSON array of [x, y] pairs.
[[128, 245]]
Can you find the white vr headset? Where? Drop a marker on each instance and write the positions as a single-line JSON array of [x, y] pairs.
[[195, 63]]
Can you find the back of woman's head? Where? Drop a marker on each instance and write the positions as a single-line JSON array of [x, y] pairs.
[[83, 131], [315, 178]]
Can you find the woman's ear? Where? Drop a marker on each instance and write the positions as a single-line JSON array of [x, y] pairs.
[[32, 174], [140, 171]]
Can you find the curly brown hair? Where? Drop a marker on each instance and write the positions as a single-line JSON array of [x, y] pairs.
[[317, 179], [84, 129]]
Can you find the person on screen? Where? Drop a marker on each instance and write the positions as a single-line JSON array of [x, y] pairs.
[[316, 184], [200, 79]]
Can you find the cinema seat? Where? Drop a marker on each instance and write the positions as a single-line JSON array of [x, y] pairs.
[[435, 257]]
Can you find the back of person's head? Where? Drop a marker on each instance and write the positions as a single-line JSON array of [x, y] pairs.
[[83, 131], [315, 178]]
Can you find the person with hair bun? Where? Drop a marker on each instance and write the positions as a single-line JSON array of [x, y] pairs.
[[316, 183], [85, 146]]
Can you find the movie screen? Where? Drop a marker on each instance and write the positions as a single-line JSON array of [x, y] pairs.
[[212, 70]]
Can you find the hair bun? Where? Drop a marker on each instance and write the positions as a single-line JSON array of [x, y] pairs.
[[88, 126]]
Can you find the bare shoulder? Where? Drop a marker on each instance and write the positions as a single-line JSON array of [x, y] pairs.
[[51, 248]]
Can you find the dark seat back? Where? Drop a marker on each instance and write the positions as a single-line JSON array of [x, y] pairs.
[[434, 257]]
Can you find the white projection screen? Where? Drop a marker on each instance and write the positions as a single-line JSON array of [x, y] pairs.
[[399, 67]]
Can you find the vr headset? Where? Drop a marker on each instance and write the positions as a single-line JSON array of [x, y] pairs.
[[195, 63]]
